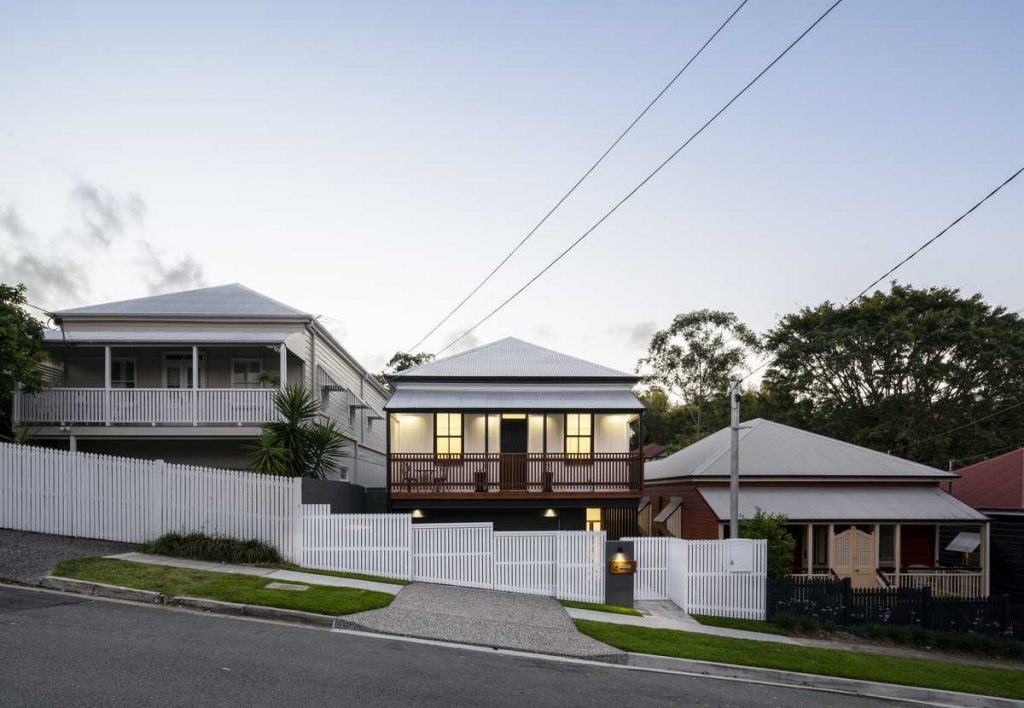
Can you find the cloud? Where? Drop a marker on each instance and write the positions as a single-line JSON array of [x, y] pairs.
[[10, 222], [103, 214], [638, 335], [55, 279], [467, 342], [163, 277]]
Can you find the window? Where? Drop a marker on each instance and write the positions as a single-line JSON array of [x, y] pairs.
[[178, 369], [887, 544], [820, 554], [246, 373], [122, 373], [579, 435], [593, 518], [448, 434]]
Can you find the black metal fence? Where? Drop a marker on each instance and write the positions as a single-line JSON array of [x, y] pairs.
[[837, 602]]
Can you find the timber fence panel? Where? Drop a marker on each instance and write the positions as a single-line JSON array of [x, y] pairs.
[[374, 544], [652, 573], [580, 566], [712, 589], [526, 562], [454, 554]]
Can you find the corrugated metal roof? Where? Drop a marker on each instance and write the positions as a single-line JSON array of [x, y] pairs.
[[233, 300], [993, 484], [505, 400], [164, 337], [511, 357], [673, 504], [852, 504], [769, 449]]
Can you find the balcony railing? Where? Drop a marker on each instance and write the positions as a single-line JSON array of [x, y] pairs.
[[943, 581], [146, 406], [479, 473]]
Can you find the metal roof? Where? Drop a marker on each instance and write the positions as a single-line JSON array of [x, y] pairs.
[[993, 484], [510, 400], [673, 504], [217, 336], [511, 357], [233, 300], [852, 504], [769, 449]]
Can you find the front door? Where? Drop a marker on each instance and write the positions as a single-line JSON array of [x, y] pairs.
[[513, 454], [853, 557]]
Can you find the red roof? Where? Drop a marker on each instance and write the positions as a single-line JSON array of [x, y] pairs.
[[993, 484]]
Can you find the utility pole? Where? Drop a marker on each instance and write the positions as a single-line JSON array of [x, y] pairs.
[[734, 457]]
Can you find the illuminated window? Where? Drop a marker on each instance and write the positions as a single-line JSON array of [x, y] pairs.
[[579, 435], [593, 519], [448, 434]]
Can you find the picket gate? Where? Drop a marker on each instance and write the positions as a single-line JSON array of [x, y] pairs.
[[454, 554]]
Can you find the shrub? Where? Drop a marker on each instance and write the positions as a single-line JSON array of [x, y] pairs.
[[214, 548], [780, 542]]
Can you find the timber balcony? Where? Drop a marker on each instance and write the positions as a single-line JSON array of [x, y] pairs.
[[474, 475], [146, 406]]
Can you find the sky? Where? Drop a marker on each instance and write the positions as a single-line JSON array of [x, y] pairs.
[[371, 162]]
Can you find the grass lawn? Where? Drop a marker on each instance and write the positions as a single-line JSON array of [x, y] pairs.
[[744, 624], [228, 587], [598, 607], [1008, 683], [341, 574]]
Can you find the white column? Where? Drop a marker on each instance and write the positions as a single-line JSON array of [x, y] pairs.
[[72, 443], [195, 385], [106, 385], [283, 373], [809, 550], [897, 554], [831, 538], [877, 534], [986, 553]]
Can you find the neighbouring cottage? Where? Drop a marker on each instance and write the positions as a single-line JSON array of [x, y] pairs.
[[189, 377], [854, 512], [995, 487], [518, 435]]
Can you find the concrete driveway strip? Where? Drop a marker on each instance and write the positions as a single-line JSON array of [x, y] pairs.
[[96, 653], [27, 557], [482, 617]]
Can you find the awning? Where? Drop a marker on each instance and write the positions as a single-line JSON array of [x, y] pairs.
[[510, 400], [127, 338], [853, 504], [965, 542], [673, 504]]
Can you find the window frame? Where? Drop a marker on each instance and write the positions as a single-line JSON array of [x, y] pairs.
[[449, 457], [182, 355], [135, 371], [249, 360], [578, 458]]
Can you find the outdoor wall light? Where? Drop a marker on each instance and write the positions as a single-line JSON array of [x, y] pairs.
[[550, 513], [417, 514]]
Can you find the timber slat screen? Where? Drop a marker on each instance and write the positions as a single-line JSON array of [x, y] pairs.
[[427, 473]]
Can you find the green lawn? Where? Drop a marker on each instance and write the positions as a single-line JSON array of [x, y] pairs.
[[744, 624], [341, 574], [228, 587], [1008, 683], [598, 607]]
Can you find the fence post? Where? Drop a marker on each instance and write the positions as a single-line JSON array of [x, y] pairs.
[[156, 497], [296, 509], [926, 598], [847, 599]]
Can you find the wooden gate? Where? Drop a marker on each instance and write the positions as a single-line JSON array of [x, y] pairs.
[[853, 557]]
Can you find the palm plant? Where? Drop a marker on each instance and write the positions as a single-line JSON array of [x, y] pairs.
[[298, 444]]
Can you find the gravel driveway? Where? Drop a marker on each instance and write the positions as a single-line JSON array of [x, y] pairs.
[[26, 557]]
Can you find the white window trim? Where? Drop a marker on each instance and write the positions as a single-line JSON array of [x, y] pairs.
[[188, 355], [231, 373], [135, 370]]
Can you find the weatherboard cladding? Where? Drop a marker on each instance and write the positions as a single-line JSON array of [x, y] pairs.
[[769, 449], [844, 503], [533, 400], [234, 300], [512, 358]]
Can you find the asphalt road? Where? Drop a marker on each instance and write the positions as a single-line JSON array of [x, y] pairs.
[[63, 650], [26, 557]]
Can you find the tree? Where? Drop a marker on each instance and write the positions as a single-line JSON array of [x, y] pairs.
[[898, 369], [400, 362], [781, 544], [21, 348], [694, 357], [298, 444]]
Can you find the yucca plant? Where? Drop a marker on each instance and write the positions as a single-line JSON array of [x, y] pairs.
[[299, 444]]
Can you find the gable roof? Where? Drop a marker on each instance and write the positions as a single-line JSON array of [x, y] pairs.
[[234, 300], [769, 449], [512, 358], [993, 484]]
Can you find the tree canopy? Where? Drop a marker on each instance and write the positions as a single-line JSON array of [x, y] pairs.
[[21, 346], [401, 361]]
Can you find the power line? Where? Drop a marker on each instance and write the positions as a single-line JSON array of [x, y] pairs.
[[580, 180], [896, 267], [990, 452], [646, 179], [961, 427]]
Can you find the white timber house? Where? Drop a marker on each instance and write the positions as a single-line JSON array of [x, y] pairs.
[[189, 377]]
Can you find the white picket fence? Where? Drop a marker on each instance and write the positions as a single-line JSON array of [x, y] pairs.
[[702, 577], [375, 544], [126, 499]]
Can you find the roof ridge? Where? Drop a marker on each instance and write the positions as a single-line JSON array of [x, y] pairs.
[[410, 370], [245, 287]]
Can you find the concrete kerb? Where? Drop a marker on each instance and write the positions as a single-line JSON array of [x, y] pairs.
[[868, 689]]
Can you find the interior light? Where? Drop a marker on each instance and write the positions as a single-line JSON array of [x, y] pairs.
[[417, 514], [550, 513]]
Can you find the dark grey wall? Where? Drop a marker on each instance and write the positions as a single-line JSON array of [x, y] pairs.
[[509, 519], [343, 497]]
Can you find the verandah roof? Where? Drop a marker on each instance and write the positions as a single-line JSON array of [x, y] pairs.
[[506, 400]]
